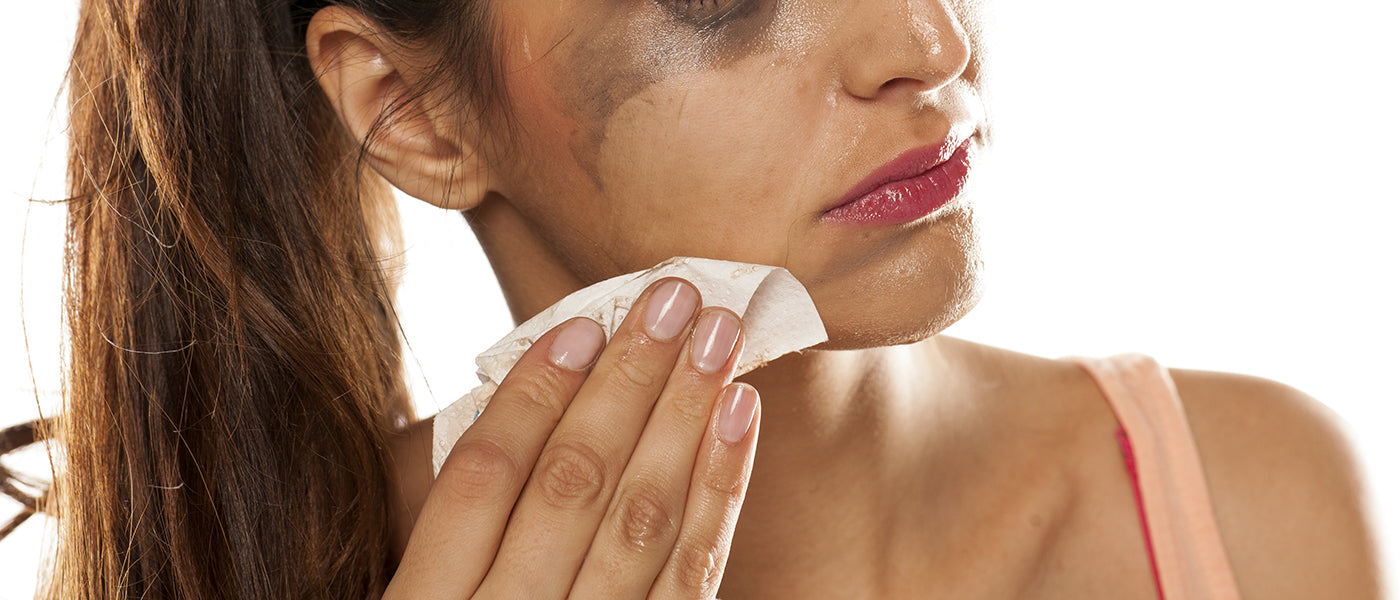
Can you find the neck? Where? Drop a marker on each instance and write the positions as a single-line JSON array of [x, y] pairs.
[[838, 407], [843, 444]]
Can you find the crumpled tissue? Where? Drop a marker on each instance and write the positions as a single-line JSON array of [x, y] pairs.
[[779, 317]]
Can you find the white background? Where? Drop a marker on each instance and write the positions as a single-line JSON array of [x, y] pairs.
[[1211, 182]]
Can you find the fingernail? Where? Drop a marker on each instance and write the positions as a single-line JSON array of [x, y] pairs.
[[736, 414], [669, 309], [577, 344], [714, 340]]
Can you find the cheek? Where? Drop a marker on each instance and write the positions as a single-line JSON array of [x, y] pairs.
[[627, 52], [716, 149], [538, 162], [724, 163], [664, 147]]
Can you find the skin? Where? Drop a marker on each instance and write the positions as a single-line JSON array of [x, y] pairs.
[[923, 465], [666, 93]]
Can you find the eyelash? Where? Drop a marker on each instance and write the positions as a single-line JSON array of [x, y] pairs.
[[698, 9]]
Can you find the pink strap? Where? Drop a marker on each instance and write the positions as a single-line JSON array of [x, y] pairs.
[[1183, 538], [1129, 460]]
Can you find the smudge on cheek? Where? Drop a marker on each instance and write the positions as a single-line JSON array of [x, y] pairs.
[[636, 48]]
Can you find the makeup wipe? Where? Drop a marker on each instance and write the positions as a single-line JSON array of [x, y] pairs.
[[779, 317]]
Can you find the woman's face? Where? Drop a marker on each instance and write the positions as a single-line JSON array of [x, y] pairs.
[[726, 128]]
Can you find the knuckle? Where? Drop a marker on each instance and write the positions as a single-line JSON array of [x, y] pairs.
[[697, 569], [633, 372], [477, 470], [693, 407], [642, 519], [543, 393], [724, 485], [571, 476]]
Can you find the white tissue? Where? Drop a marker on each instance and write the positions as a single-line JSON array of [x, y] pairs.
[[779, 317]]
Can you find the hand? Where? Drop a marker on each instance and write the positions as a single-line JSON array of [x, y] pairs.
[[622, 479]]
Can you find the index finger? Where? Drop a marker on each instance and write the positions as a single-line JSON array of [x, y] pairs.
[[464, 516]]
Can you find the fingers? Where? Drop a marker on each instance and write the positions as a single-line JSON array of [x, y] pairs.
[[572, 484], [644, 519], [717, 487], [517, 507], [465, 513]]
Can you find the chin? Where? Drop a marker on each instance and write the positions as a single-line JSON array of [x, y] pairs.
[[904, 292], [898, 312]]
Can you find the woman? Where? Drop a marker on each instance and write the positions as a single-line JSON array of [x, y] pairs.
[[237, 423]]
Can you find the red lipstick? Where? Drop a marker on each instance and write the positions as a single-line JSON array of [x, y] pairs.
[[911, 186]]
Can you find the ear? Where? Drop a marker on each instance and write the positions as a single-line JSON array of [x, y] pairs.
[[417, 149]]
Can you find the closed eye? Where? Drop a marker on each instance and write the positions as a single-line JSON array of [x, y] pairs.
[[702, 12]]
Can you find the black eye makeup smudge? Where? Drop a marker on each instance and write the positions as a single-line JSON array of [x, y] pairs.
[[625, 55]]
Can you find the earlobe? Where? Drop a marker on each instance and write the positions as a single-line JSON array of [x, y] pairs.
[[364, 78]]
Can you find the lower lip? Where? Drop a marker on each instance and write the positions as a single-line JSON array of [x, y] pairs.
[[908, 199]]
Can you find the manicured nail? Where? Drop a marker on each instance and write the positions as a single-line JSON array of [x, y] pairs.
[[577, 344], [669, 309], [736, 412], [713, 341]]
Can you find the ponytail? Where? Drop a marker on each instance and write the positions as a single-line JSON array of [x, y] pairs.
[[234, 365]]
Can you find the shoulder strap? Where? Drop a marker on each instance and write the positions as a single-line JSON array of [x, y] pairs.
[[1185, 540]]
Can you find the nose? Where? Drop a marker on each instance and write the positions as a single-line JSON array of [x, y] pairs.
[[902, 47]]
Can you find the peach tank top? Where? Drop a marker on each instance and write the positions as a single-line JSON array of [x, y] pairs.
[[1183, 540]]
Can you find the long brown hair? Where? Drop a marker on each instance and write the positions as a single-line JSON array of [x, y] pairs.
[[234, 366]]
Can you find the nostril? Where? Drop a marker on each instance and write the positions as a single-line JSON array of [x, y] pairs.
[[905, 88], [897, 83]]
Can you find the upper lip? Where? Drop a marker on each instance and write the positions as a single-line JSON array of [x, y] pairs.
[[909, 164]]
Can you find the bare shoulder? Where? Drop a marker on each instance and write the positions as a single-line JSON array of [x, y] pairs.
[[1286, 487]]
